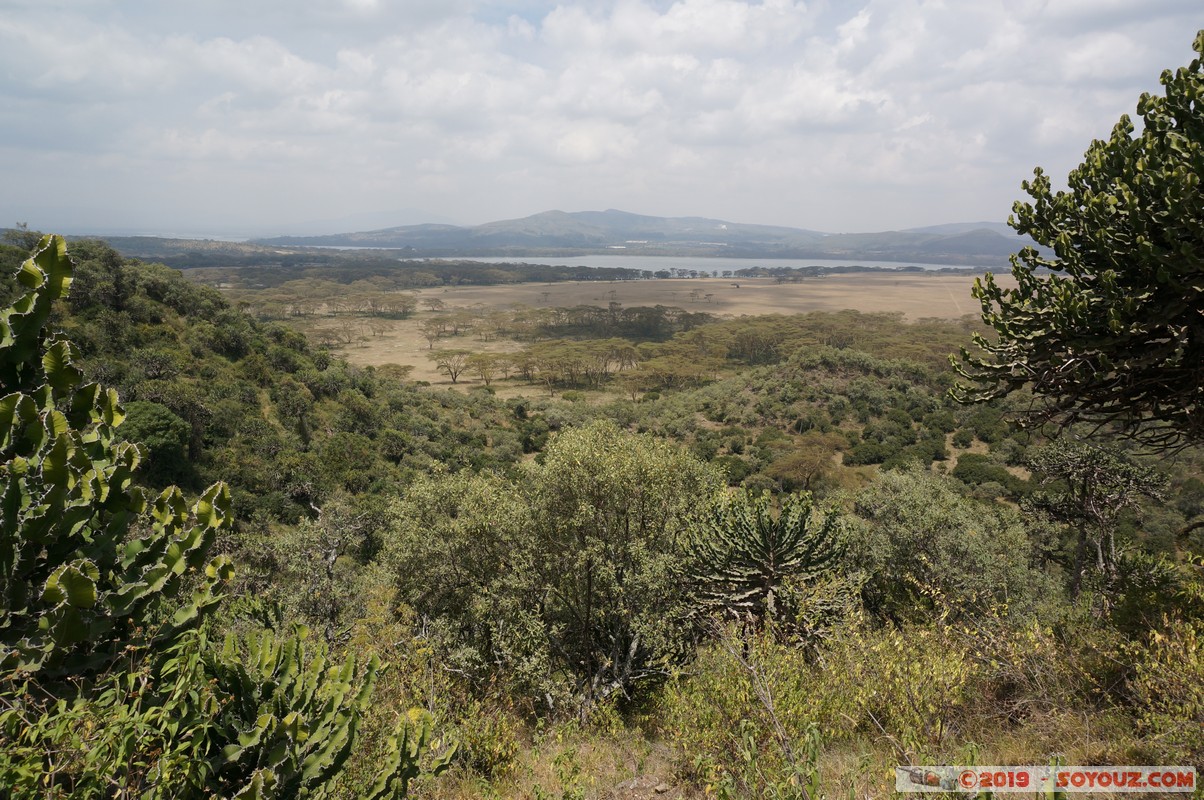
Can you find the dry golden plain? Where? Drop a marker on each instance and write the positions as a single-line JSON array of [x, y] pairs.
[[915, 295]]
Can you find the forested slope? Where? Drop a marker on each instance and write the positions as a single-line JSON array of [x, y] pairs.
[[557, 574]]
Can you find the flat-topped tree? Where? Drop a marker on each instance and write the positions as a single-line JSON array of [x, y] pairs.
[[451, 363], [1115, 335]]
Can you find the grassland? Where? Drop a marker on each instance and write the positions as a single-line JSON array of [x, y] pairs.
[[914, 295]]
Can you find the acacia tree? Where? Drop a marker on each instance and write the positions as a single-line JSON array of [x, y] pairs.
[[1115, 335], [432, 329], [451, 363], [484, 365]]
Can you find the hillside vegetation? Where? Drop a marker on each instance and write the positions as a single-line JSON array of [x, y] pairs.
[[781, 560]]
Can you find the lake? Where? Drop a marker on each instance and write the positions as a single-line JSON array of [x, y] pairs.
[[708, 264]]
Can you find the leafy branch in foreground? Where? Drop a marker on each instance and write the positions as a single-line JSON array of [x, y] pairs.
[[1116, 334]]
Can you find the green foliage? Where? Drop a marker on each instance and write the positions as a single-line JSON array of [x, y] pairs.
[[291, 721], [264, 721], [1149, 590], [976, 469], [373, 279], [313, 571], [567, 584], [738, 712], [1169, 690], [925, 546], [611, 512], [743, 556], [260, 404], [742, 713], [452, 544], [163, 436], [74, 581], [502, 593], [1091, 486], [1113, 335], [488, 740], [807, 462], [106, 687], [735, 468], [138, 731], [452, 363]]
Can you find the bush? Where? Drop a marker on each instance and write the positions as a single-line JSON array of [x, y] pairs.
[[974, 469], [871, 452], [760, 482], [1168, 688], [919, 685], [735, 468], [924, 545], [610, 511], [988, 424], [488, 740], [165, 437], [942, 421]]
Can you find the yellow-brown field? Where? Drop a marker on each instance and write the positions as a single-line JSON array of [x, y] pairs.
[[915, 295]]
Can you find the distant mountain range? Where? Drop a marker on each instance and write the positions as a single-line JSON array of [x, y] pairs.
[[559, 233]]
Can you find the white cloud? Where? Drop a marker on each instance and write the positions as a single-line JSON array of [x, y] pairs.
[[216, 145], [876, 114], [255, 64], [591, 143], [1108, 56]]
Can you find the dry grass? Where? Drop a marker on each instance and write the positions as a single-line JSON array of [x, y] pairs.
[[569, 764], [627, 765], [915, 295]]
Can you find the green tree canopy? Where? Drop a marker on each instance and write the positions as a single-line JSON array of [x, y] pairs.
[[611, 512], [1093, 486], [1116, 333], [922, 544]]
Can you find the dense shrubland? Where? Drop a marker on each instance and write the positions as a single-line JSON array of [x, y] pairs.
[[110, 684], [291, 270], [771, 557], [547, 577]]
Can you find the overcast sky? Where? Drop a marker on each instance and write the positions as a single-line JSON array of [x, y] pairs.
[[249, 116]]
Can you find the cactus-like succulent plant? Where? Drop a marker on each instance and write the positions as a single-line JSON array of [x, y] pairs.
[[743, 556], [107, 688], [83, 553], [292, 720]]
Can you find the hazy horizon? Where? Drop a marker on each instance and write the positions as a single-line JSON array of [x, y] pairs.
[[275, 118], [331, 227]]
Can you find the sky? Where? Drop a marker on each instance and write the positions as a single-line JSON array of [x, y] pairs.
[[256, 117]]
